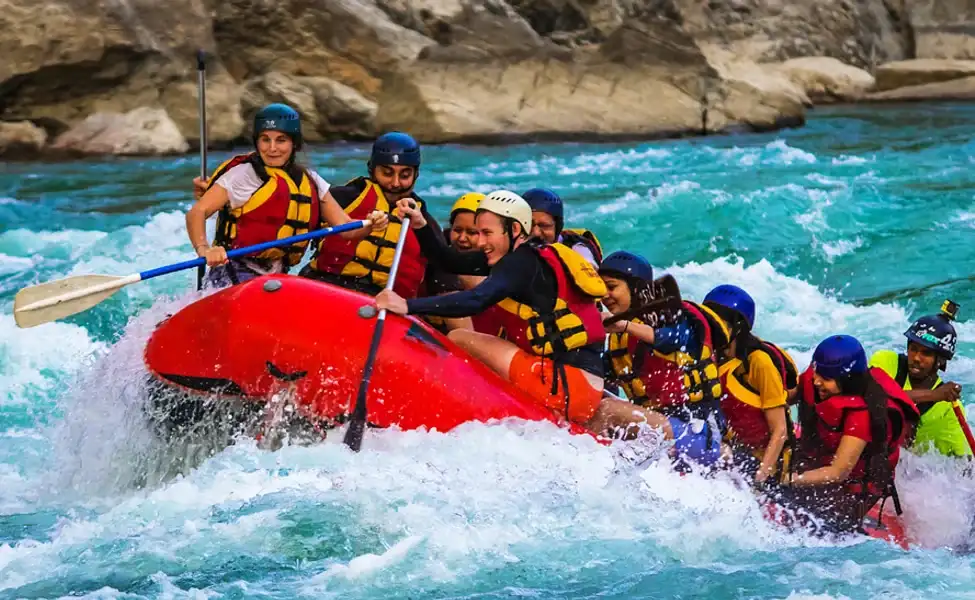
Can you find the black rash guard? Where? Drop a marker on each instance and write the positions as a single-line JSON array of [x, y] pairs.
[[521, 275]]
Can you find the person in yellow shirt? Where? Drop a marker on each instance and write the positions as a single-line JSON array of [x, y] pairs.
[[931, 342], [756, 376]]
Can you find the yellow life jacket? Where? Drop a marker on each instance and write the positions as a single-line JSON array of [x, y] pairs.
[[280, 208], [701, 379], [574, 322], [372, 256], [624, 371]]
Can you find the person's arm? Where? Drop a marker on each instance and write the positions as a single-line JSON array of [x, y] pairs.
[[640, 331], [778, 428], [947, 392], [436, 250], [213, 200], [333, 215], [765, 377], [506, 279], [846, 457]]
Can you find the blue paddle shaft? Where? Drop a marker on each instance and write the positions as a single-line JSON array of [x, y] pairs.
[[199, 262]]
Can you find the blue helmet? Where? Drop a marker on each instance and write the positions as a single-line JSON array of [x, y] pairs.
[[546, 201], [627, 264], [279, 117], [735, 298], [839, 356], [936, 332], [395, 148]]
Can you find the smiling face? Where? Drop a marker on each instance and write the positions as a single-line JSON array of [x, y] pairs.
[[396, 180], [493, 238], [275, 148], [463, 231], [826, 388], [617, 298]]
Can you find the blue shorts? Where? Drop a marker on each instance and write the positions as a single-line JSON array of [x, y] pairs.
[[697, 440]]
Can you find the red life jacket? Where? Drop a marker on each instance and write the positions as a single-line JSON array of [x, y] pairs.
[[372, 256], [830, 417], [572, 323], [280, 208]]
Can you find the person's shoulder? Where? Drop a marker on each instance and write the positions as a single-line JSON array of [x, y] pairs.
[[346, 194], [320, 182]]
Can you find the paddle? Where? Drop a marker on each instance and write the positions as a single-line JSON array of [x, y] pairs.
[[666, 288], [201, 71], [201, 85], [357, 424], [963, 423], [65, 297]]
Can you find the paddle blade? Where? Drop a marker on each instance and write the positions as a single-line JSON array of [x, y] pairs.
[[55, 300]]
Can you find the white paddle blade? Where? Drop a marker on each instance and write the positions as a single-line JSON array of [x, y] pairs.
[[55, 300]]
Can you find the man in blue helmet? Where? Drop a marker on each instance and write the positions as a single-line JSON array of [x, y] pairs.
[[263, 196], [756, 376], [393, 167], [547, 225], [931, 344]]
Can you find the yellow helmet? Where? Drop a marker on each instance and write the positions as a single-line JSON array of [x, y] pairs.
[[469, 201]]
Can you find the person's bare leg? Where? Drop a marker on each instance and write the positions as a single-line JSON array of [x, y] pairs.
[[615, 414], [490, 350]]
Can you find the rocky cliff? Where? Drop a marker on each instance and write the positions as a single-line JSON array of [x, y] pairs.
[[450, 69]]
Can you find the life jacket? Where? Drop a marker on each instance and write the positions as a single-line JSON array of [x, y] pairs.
[[631, 362], [573, 323], [571, 237], [700, 370], [824, 421], [280, 208], [742, 405], [372, 256]]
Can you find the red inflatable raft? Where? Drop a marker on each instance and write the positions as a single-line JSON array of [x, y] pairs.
[[281, 332]]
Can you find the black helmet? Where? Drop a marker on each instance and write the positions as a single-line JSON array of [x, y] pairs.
[[936, 332]]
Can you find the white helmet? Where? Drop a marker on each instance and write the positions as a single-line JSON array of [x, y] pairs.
[[509, 204]]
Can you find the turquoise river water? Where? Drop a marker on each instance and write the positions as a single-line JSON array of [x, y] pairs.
[[857, 223]]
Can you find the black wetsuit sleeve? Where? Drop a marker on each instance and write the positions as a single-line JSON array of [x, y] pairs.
[[508, 278], [436, 250]]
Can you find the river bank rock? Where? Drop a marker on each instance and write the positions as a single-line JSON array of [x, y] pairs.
[[143, 131], [21, 140], [826, 79]]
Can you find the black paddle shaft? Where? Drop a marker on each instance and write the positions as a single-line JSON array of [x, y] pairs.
[[357, 424]]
